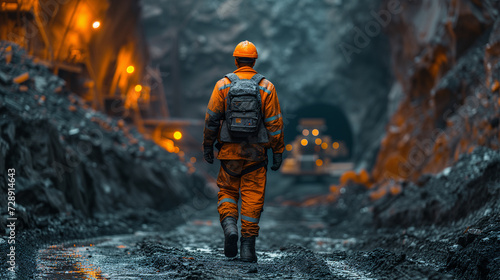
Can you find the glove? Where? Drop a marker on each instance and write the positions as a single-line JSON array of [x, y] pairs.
[[208, 154], [277, 159]]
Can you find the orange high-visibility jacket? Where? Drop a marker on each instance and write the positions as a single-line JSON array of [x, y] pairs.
[[271, 113]]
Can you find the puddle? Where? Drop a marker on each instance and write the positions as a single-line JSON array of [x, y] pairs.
[[199, 250], [343, 269], [61, 262], [329, 245], [100, 258]]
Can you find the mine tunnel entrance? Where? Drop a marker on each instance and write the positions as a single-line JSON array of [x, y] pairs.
[[336, 126]]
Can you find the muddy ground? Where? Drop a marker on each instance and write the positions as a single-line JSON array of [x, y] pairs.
[[353, 238], [294, 244]]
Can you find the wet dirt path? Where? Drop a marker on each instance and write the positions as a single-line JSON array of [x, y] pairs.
[[294, 244]]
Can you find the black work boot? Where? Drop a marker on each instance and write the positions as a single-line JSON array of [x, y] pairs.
[[230, 237], [247, 249]]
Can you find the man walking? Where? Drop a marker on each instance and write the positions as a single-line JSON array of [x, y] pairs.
[[244, 116]]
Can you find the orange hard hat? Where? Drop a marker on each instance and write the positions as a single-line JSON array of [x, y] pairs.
[[246, 49]]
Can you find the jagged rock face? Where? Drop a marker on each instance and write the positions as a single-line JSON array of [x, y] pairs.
[[445, 60], [299, 45]]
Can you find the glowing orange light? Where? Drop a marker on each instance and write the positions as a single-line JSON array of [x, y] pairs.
[[305, 132], [96, 24], [168, 145], [324, 146], [138, 88], [318, 141], [335, 145], [193, 159], [177, 135], [315, 132], [130, 69], [289, 147], [319, 162], [304, 142]]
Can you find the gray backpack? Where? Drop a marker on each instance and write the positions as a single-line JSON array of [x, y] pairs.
[[243, 116]]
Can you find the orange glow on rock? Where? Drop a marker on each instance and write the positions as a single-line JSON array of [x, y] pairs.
[[347, 177], [21, 78], [378, 194], [335, 189], [396, 189], [364, 177], [83, 18], [168, 145], [495, 86]]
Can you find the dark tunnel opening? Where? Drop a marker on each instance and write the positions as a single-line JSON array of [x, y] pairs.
[[337, 126]]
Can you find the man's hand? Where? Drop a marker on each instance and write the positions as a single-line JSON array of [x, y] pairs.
[[208, 154], [277, 159]]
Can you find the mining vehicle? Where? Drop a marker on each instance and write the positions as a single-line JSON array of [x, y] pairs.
[[313, 153]]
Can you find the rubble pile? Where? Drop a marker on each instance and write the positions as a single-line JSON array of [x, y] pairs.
[[476, 254], [450, 220], [72, 160], [467, 191], [457, 208]]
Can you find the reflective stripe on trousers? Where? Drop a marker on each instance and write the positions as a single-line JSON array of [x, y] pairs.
[[252, 188]]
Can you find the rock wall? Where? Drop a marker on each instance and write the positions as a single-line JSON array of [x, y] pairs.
[[445, 58], [299, 43]]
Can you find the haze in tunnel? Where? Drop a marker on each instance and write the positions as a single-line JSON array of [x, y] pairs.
[[336, 122]]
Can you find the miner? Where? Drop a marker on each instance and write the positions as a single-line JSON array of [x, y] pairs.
[[244, 117]]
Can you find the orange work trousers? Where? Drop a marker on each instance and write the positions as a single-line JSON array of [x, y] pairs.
[[249, 179]]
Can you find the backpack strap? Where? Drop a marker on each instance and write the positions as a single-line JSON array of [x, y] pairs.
[[232, 77], [257, 78]]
